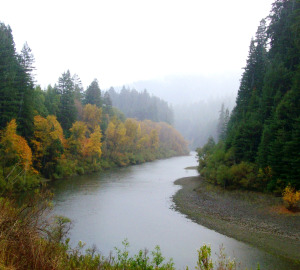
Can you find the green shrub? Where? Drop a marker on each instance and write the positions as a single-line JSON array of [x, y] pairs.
[[224, 175], [244, 175]]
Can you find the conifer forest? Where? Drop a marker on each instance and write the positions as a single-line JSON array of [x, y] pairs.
[[107, 156]]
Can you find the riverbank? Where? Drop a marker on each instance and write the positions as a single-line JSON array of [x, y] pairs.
[[255, 218]]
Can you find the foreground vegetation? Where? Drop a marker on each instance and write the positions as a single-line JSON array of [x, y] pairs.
[[259, 144]]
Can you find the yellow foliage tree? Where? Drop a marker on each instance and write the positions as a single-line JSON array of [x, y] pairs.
[[115, 136], [154, 139], [92, 146], [131, 126], [48, 141], [144, 143], [92, 116], [77, 137]]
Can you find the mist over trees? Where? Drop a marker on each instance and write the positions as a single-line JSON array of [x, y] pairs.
[[203, 119], [261, 147], [141, 105], [196, 101], [188, 89]]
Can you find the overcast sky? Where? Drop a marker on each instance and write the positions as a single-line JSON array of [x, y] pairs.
[[122, 41]]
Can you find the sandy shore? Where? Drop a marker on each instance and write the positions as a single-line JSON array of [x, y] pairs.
[[255, 218]]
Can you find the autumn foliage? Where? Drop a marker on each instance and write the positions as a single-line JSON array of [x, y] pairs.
[[15, 147], [139, 141], [291, 197], [56, 153], [16, 169]]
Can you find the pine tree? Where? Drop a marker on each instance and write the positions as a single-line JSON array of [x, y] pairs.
[[26, 86], [67, 110], [221, 123], [16, 83], [10, 96], [93, 94], [246, 117], [78, 89], [52, 100]]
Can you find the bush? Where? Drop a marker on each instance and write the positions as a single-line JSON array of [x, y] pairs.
[[18, 180], [223, 175], [21, 244], [244, 175], [206, 263], [290, 197]]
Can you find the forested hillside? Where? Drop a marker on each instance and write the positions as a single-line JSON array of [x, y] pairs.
[[65, 130], [141, 105], [261, 146]]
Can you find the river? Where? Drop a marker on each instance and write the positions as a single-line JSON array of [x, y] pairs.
[[135, 203]]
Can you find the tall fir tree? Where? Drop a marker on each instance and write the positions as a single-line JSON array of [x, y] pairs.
[[16, 83], [93, 94], [26, 85], [245, 125], [264, 125], [67, 110], [9, 94]]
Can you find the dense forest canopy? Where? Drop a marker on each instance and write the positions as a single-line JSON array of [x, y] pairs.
[[65, 130], [261, 147], [141, 105]]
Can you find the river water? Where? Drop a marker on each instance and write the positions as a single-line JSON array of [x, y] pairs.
[[135, 203]]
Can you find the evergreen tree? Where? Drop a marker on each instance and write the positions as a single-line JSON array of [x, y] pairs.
[[26, 86], [52, 100], [9, 95], [246, 117], [39, 97], [93, 94], [263, 132], [67, 110], [221, 123], [16, 83], [78, 89]]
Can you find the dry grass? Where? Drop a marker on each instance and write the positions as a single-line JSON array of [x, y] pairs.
[[21, 244]]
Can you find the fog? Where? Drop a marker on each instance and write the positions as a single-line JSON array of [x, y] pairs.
[[196, 102], [121, 42], [186, 89], [188, 53]]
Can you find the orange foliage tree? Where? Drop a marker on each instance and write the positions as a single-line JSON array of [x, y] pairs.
[[15, 150]]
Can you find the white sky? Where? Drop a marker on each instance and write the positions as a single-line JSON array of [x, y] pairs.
[[121, 41]]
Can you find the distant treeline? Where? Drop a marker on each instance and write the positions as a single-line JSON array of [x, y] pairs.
[[198, 121], [261, 145], [64, 129], [141, 105]]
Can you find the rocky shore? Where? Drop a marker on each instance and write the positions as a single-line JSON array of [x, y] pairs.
[[255, 218]]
